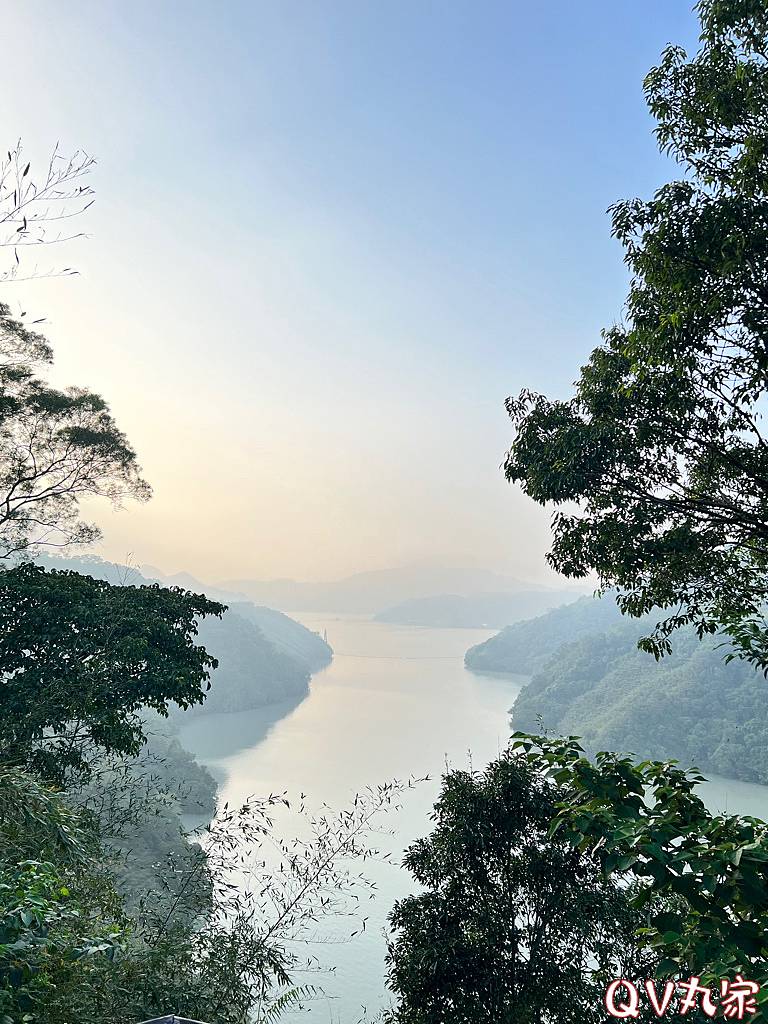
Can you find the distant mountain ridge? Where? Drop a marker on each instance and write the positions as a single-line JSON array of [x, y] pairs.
[[377, 590], [189, 582], [474, 611]]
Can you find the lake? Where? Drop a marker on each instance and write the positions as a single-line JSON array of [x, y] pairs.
[[396, 702]]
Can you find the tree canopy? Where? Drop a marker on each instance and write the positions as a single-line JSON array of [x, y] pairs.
[[658, 465], [79, 658], [645, 822], [512, 925], [57, 446]]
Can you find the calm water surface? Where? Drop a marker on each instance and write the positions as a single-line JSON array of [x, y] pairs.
[[396, 702]]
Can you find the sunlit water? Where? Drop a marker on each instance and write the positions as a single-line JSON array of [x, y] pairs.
[[396, 702]]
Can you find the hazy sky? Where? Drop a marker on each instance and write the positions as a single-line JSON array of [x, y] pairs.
[[330, 238]]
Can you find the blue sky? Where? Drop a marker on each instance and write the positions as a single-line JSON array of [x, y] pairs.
[[330, 239]]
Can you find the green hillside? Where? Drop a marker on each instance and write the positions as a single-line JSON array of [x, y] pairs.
[[252, 671], [524, 646], [691, 705], [590, 680]]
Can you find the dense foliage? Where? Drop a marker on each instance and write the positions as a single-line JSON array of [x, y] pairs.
[[59, 915], [645, 823], [69, 951], [79, 658], [660, 452], [511, 925], [524, 647]]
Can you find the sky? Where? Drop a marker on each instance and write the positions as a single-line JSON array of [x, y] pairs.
[[330, 238]]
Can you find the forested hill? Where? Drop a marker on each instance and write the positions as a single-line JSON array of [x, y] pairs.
[[690, 705], [590, 680], [524, 646], [252, 671], [286, 634], [264, 657]]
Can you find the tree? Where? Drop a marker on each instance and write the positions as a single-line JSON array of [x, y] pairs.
[[512, 926], [79, 658], [661, 448], [36, 822], [46, 935], [56, 446], [645, 823], [59, 914]]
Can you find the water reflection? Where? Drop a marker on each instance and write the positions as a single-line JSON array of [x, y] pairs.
[[215, 739]]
